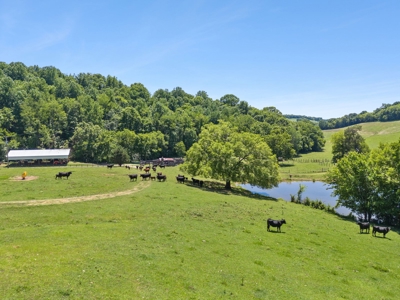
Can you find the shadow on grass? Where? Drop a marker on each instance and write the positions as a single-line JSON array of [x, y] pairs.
[[218, 187], [381, 237], [286, 165]]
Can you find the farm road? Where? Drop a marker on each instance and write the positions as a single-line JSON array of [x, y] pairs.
[[138, 188]]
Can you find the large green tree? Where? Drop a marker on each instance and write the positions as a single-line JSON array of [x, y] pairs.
[[352, 183], [346, 141], [385, 172], [223, 153]]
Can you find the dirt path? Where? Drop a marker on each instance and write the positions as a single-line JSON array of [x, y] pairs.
[[139, 187]]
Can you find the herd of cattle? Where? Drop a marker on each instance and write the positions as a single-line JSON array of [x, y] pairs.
[[363, 226], [366, 226], [182, 179], [144, 176]]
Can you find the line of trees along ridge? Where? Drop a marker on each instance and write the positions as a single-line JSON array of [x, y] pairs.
[[100, 118], [385, 113]]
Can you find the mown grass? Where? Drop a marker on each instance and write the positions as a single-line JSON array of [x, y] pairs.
[[313, 166], [175, 241], [83, 181]]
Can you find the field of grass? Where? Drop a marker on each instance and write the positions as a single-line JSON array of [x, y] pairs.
[[83, 181], [313, 166], [179, 241]]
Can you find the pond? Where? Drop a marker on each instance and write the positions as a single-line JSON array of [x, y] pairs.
[[314, 190]]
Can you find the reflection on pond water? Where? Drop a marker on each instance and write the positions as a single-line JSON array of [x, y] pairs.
[[314, 190]]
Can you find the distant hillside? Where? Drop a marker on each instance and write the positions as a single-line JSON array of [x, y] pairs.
[[387, 112], [373, 132]]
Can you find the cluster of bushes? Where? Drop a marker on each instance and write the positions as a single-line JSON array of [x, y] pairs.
[[317, 204]]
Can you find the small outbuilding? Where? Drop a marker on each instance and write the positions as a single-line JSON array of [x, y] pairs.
[[39, 157]]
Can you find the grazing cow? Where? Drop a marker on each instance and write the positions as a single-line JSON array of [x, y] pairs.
[[152, 177], [110, 166], [162, 166], [63, 174], [275, 223], [132, 177], [380, 229], [363, 226], [161, 177], [140, 168], [198, 182], [128, 167], [180, 179], [147, 169], [145, 176], [154, 168]]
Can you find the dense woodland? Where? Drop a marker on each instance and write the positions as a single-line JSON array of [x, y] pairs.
[[98, 116], [387, 112]]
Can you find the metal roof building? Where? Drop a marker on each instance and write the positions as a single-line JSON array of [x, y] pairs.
[[38, 154]]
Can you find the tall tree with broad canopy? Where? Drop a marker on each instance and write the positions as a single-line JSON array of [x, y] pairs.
[[351, 181], [348, 140], [223, 153], [385, 172]]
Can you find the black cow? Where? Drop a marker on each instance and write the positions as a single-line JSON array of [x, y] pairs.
[[63, 174], [128, 167], [132, 177], [364, 226], [161, 177], [275, 223], [145, 176], [380, 229], [110, 166], [198, 182], [162, 166], [180, 179]]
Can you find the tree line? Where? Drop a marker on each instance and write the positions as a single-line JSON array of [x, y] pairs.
[[385, 113], [99, 117]]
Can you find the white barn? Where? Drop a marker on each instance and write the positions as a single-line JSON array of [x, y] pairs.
[[37, 156]]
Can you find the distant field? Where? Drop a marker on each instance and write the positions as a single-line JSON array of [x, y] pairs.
[[314, 165]]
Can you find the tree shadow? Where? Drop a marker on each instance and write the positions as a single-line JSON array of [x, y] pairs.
[[286, 165], [219, 188]]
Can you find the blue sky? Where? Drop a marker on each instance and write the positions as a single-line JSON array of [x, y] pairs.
[[315, 58]]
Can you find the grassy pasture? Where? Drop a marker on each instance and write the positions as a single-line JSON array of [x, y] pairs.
[[314, 165], [175, 241], [83, 181]]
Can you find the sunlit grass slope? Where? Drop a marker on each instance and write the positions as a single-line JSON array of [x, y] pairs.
[[83, 181], [175, 241]]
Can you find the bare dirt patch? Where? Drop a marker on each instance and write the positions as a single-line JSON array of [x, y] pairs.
[[27, 178], [139, 187]]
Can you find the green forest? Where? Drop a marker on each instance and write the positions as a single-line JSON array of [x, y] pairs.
[[99, 117]]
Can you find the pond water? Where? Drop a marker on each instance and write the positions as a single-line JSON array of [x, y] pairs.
[[314, 190]]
